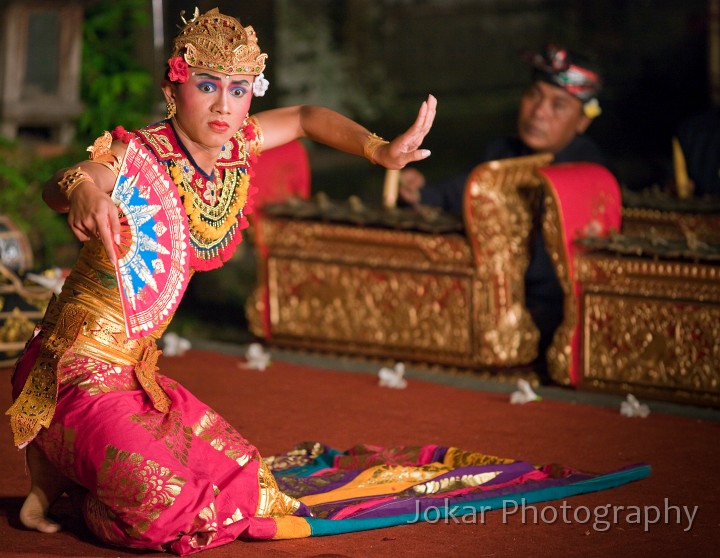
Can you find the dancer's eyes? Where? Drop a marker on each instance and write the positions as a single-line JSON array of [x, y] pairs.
[[238, 91], [207, 86]]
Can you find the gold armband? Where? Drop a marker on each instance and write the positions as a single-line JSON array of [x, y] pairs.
[[373, 142], [71, 180], [101, 153], [110, 161]]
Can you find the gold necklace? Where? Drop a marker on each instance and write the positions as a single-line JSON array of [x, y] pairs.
[[210, 222]]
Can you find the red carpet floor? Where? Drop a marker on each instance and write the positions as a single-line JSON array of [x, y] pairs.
[[289, 403]]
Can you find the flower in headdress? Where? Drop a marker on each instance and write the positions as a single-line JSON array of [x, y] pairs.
[[260, 85], [592, 108], [178, 69]]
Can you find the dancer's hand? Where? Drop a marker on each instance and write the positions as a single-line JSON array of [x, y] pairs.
[[405, 148], [93, 214]]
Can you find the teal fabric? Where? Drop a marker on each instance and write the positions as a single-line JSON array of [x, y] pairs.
[[321, 462], [323, 527]]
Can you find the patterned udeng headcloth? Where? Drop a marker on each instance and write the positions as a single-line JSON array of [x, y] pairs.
[[560, 67]]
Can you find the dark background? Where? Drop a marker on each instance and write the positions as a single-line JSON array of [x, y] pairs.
[[376, 61], [653, 54], [654, 57]]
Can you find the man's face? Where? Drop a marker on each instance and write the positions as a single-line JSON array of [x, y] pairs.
[[549, 117]]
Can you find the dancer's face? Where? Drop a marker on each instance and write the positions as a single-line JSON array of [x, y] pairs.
[[211, 106]]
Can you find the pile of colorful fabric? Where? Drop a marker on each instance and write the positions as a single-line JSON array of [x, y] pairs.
[[369, 487]]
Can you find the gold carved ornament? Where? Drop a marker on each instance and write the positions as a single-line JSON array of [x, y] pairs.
[[651, 326], [498, 219], [220, 43], [101, 154], [559, 354]]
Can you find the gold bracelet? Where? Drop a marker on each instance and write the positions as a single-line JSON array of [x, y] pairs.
[[71, 180], [110, 161], [373, 142]]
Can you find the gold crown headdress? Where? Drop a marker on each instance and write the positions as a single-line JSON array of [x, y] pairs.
[[219, 42]]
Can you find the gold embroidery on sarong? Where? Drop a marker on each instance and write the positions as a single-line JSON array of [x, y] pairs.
[[204, 527], [220, 435], [303, 454], [85, 320], [35, 406], [145, 371], [101, 520], [58, 444], [272, 502], [234, 518], [139, 489], [454, 483], [390, 474], [94, 376], [456, 458], [169, 428], [378, 481]]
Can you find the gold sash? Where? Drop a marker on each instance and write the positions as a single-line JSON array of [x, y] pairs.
[[86, 319]]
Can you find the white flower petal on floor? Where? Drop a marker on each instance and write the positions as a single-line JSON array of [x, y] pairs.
[[174, 345], [257, 357], [524, 393], [393, 377], [631, 407]]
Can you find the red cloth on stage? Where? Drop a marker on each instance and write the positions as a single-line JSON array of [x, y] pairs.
[[588, 202], [282, 172], [279, 173]]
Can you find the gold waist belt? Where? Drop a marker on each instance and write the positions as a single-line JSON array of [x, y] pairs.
[[99, 337], [87, 320], [92, 334]]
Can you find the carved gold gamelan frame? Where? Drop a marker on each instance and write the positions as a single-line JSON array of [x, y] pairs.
[[447, 299], [651, 327]]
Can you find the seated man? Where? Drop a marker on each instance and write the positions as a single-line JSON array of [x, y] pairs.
[[553, 115]]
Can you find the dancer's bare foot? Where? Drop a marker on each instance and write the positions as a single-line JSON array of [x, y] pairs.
[[46, 486]]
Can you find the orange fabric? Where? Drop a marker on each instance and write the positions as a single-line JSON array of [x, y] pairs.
[[291, 527], [377, 481]]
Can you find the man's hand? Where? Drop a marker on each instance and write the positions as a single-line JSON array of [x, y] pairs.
[[411, 181]]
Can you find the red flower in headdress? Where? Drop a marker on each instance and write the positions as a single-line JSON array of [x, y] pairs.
[[178, 69]]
